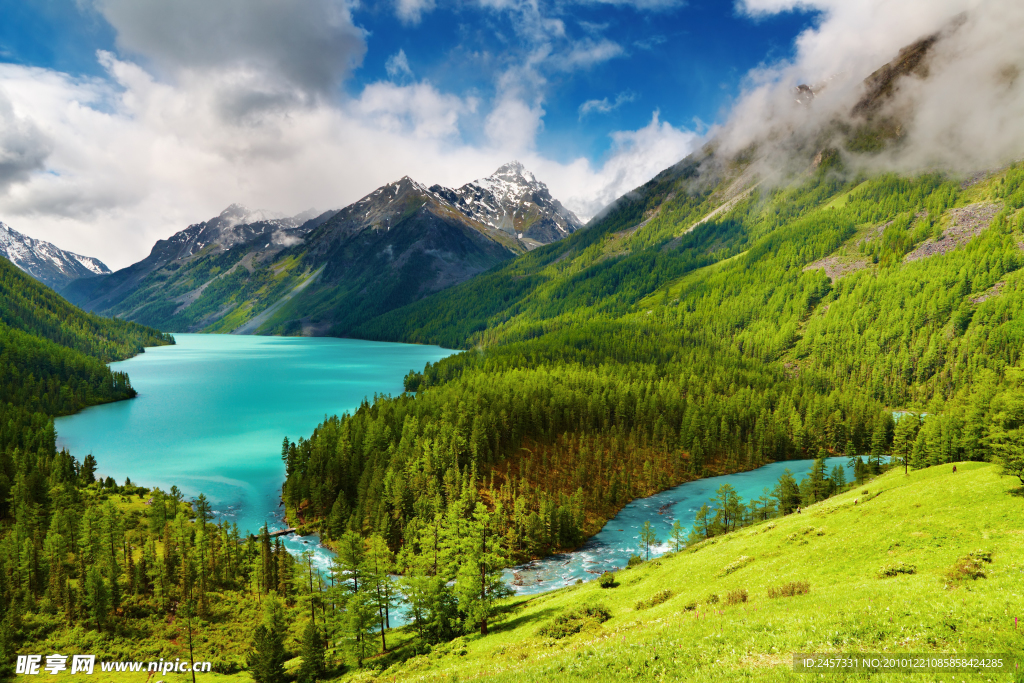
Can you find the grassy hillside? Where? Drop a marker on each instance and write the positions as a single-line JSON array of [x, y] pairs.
[[930, 520]]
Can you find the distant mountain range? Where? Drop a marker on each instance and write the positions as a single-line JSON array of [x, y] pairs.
[[45, 262], [247, 271]]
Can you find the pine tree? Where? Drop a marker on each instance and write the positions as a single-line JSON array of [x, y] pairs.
[[678, 535], [313, 667], [265, 658], [648, 537], [359, 620], [377, 568], [787, 492], [479, 583], [97, 597]]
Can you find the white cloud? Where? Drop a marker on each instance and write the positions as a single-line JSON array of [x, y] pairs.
[[397, 65], [586, 53], [133, 159], [207, 104], [635, 157], [965, 115], [412, 11], [310, 45], [23, 147], [603, 106]]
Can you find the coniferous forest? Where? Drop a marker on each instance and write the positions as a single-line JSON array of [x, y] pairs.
[[834, 316], [722, 349]]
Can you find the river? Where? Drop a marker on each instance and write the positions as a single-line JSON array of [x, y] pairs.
[[212, 411]]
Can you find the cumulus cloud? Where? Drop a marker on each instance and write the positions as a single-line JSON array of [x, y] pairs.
[[23, 147], [635, 157], [207, 104], [307, 45], [961, 110], [131, 159], [604, 106]]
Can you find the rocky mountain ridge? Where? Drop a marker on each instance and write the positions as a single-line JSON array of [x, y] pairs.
[[249, 271], [51, 265]]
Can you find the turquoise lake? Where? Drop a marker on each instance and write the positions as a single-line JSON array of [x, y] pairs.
[[213, 409]]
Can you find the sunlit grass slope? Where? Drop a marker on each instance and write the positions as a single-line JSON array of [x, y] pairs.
[[929, 519]]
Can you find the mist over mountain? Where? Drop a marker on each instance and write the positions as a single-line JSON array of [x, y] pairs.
[[949, 96]]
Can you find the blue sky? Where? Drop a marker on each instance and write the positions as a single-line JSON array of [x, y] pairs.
[[124, 121], [684, 60]]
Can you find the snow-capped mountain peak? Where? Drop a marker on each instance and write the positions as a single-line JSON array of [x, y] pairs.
[[45, 262], [513, 200]]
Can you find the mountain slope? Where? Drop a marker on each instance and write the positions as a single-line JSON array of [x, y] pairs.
[[696, 634], [327, 274], [53, 361], [235, 226], [709, 322], [51, 265]]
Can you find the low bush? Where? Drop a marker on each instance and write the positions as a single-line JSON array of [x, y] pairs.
[[712, 599], [788, 590], [634, 561], [735, 597], [970, 566], [607, 580], [897, 569], [656, 599], [739, 563], [574, 621]]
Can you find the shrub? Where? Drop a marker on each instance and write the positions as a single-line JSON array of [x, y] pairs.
[[572, 622], [788, 590], [656, 599], [897, 569], [982, 555], [690, 606], [970, 566], [712, 599], [607, 580], [735, 597], [741, 562], [634, 561]]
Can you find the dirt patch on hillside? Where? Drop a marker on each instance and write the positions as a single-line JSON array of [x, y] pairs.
[[992, 291], [965, 223], [836, 267]]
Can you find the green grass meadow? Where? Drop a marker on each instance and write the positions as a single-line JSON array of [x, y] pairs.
[[929, 519]]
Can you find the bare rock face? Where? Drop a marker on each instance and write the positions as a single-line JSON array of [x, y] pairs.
[[51, 265], [513, 200]]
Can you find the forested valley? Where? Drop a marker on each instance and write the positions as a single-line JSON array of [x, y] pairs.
[[872, 318], [52, 362], [637, 358]]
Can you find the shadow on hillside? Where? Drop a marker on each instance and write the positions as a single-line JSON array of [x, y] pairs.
[[1019, 492], [507, 624]]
